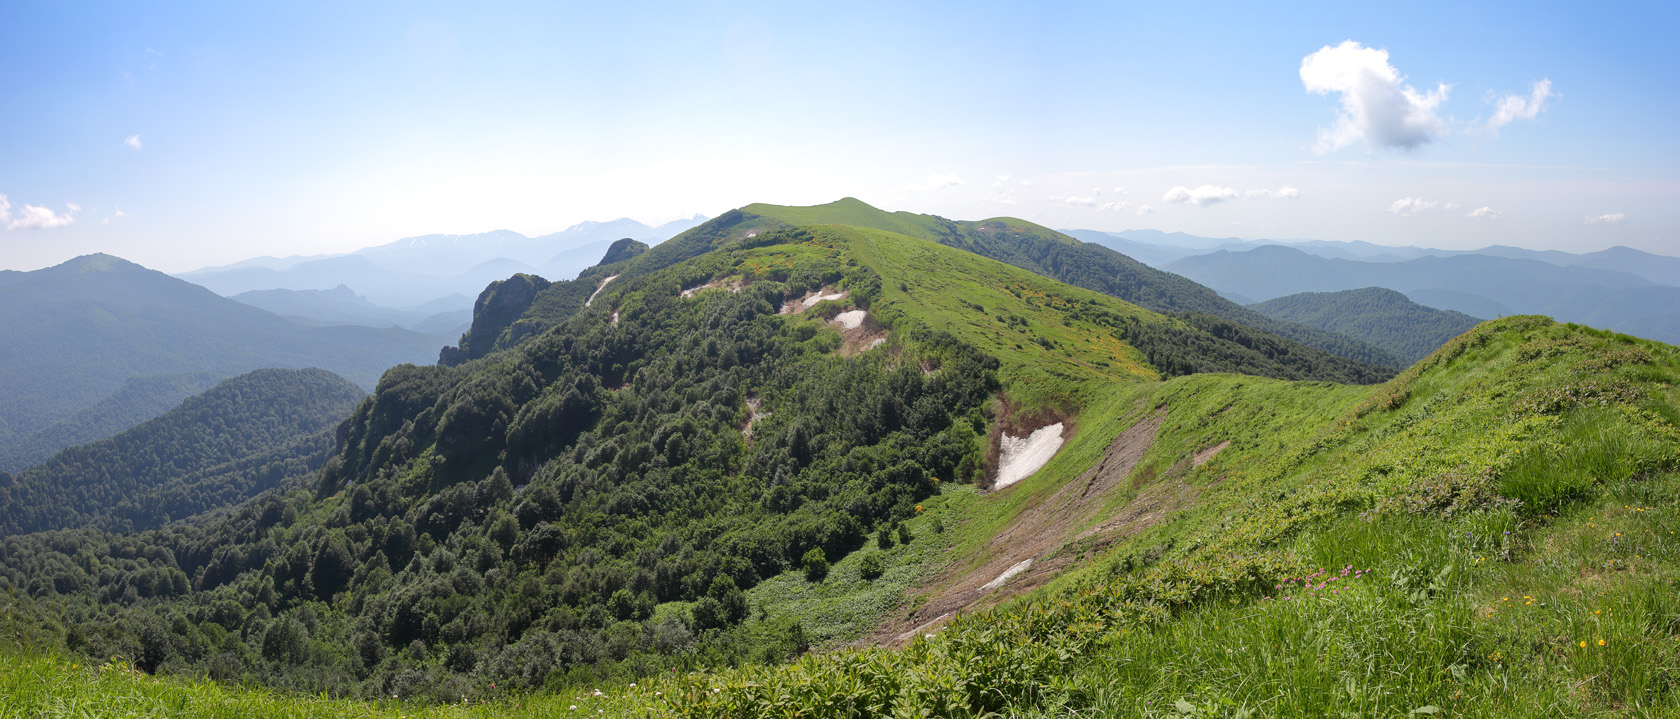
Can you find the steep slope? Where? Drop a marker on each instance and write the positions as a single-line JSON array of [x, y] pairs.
[[1490, 534], [1382, 317], [118, 320], [215, 450], [137, 400], [1094, 267]]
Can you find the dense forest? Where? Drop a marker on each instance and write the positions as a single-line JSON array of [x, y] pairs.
[[216, 449], [1383, 317], [585, 500]]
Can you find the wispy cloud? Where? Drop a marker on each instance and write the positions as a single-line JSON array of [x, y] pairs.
[[1413, 206], [1616, 218], [1513, 107], [1282, 193], [938, 181], [34, 217], [1484, 213], [1377, 106], [999, 180], [1200, 197], [132, 142]]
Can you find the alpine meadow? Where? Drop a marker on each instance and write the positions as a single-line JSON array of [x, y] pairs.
[[818, 457]]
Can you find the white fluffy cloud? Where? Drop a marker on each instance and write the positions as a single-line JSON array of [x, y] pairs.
[[132, 142], [1484, 213], [34, 217], [1282, 193], [1513, 107], [1200, 197], [1145, 210], [1616, 218], [1075, 201], [1377, 106], [1411, 206]]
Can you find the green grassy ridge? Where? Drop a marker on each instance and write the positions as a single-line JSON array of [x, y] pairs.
[[1052, 254]]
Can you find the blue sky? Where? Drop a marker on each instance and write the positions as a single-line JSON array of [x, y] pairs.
[[201, 134]]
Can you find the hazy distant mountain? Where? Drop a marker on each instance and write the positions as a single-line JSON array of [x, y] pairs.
[[342, 306], [445, 255], [73, 334], [1656, 268], [1158, 249], [1466, 302], [1379, 316], [1597, 297], [417, 270]]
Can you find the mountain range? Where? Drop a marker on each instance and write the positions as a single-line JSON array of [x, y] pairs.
[[420, 271], [72, 335]]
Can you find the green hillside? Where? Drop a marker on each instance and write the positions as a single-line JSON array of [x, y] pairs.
[[747, 480], [137, 400], [215, 450], [1382, 317]]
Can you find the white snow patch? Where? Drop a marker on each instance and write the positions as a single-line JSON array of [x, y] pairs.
[[1019, 457], [851, 320], [877, 343], [603, 286], [813, 299], [1007, 575]]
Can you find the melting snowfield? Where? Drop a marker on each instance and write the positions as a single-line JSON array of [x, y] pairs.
[[850, 320], [1008, 574], [603, 286], [1019, 457], [819, 297]]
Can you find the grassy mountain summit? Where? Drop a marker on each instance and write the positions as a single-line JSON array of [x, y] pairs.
[[1087, 265], [761, 439], [1382, 317]]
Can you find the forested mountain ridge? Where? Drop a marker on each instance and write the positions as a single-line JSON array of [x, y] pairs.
[[216, 450], [137, 400], [119, 320], [1382, 317]]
